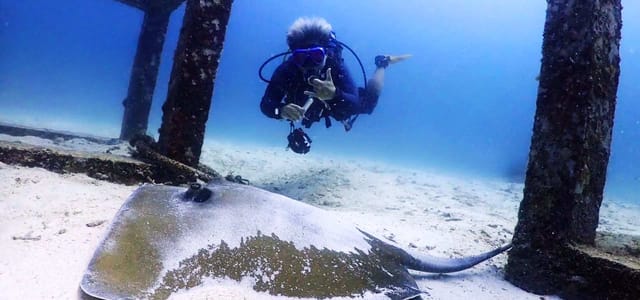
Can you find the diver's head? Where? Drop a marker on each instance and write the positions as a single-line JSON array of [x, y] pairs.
[[308, 39], [309, 32]]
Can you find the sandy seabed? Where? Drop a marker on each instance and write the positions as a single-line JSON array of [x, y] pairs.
[[51, 223]]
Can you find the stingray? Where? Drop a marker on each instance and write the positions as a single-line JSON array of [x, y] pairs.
[[166, 239]]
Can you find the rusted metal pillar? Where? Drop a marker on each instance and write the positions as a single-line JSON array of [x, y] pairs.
[[195, 64], [137, 104], [570, 145]]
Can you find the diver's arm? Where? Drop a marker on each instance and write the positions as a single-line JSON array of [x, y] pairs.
[[272, 101], [346, 90]]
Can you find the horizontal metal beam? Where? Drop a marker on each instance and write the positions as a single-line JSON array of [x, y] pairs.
[[139, 4], [166, 6], [171, 5]]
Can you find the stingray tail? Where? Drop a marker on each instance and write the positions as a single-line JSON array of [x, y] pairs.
[[448, 265], [430, 264]]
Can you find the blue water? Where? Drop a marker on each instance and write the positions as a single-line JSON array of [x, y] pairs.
[[465, 101]]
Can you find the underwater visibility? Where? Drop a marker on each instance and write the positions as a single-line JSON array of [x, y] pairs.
[[321, 150], [464, 102]]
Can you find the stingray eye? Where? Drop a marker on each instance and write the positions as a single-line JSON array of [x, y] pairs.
[[196, 193]]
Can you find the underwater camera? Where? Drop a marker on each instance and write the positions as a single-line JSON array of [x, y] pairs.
[[299, 141]]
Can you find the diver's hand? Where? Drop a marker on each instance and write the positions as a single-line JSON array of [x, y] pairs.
[[292, 112], [323, 90]]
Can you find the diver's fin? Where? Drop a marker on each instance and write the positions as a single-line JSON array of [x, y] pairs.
[[383, 61], [398, 58]]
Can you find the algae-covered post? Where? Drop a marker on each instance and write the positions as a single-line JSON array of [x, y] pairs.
[[571, 142], [195, 64]]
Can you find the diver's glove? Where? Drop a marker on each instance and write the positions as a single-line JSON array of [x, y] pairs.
[[322, 89], [292, 112]]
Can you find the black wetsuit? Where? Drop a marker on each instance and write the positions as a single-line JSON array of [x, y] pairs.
[[288, 84]]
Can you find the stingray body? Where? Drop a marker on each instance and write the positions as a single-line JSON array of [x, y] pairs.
[[169, 239]]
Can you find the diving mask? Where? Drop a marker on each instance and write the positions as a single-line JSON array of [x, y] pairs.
[[309, 57]]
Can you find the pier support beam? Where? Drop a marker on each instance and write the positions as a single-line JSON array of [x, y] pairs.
[[195, 65], [144, 74], [569, 152]]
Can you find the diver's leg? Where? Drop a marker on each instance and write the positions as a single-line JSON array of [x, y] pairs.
[[374, 85], [373, 90], [369, 96]]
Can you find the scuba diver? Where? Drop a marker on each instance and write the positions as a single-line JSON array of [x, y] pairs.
[[313, 83]]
